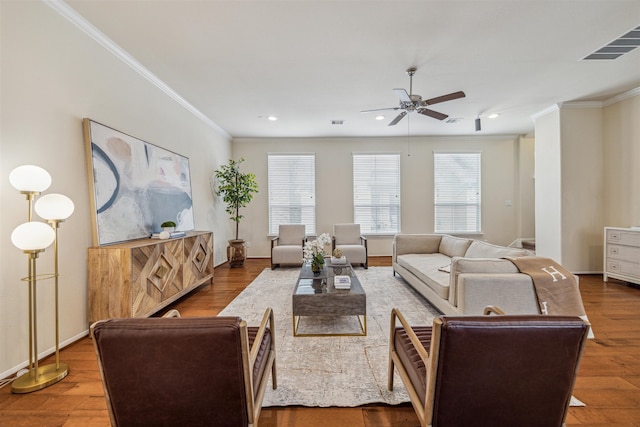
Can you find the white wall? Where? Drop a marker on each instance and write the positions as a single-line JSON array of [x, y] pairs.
[[526, 199], [53, 75], [501, 156], [582, 187], [621, 153], [548, 185], [587, 177]]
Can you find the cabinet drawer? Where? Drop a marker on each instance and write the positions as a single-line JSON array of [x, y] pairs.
[[622, 237], [625, 253], [623, 267]]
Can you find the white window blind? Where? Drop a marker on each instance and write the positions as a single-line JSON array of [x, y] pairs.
[[292, 191], [457, 192], [376, 193]]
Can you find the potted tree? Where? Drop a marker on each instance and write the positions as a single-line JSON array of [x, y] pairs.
[[237, 190]]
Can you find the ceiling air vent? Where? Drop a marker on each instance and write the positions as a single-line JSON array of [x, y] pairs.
[[618, 47], [453, 120], [337, 122]]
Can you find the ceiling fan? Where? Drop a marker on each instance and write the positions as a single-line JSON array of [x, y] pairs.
[[410, 102]]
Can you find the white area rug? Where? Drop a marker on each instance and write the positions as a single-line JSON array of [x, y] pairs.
[[332, 371]]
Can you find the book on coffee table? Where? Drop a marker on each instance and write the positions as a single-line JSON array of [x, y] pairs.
[[342, 282]]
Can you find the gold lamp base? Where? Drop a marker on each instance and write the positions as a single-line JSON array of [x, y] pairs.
[[47, 375]]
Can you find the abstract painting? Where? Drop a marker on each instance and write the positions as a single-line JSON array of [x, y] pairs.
[[135, 185]]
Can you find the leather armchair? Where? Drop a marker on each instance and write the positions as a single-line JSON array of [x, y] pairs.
[[488, 370], [177, 371], [287, 247], [347, 237]]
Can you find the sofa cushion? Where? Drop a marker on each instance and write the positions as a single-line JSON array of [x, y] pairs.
[[479, 249], [416, 243], [425, 267], [453, 246], [476, 265], [287, 254]]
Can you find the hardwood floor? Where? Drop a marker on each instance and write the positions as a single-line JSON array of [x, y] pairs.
[[608, 379]]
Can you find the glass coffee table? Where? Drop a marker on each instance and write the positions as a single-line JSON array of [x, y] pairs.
[[316, 296]]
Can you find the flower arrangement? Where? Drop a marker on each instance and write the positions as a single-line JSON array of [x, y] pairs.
[[314, 251]]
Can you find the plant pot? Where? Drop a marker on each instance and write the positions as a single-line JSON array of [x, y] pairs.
[[316, 266], [236, 253]]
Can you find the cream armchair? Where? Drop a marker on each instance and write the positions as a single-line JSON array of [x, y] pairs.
[[286, 248], [347, 238]]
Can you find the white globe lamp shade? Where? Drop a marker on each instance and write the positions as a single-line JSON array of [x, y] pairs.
[[30, 178], [54, 207], [33, 236]]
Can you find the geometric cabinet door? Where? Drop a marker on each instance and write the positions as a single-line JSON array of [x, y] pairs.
[[156, 275], [198, 261]]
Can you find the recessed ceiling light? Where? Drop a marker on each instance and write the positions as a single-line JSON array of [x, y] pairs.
[[380, 117], [272, 118], [493, 115]]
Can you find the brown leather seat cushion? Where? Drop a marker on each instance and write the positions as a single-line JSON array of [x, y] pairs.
[[410, 358]]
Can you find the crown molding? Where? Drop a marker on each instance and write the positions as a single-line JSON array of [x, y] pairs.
[[548, 110], [587, 104], [581, 104], [621, 97], [85, 26]]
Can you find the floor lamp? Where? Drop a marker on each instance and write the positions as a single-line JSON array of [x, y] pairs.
[[55, 208], [32, 238]]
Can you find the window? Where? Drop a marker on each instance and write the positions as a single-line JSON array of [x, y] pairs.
[[292, 191], [376, 193], [456, 192]]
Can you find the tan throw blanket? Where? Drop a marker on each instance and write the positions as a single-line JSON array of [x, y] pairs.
[[556, 288]]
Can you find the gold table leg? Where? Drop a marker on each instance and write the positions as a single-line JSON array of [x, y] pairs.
[[362, 319]]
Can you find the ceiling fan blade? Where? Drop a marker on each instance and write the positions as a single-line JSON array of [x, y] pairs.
[[380, 109], [431, 113], [403, 95], [443, 98], [397, 119]]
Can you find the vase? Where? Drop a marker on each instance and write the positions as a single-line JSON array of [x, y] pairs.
[[316, 266], [236, 253]]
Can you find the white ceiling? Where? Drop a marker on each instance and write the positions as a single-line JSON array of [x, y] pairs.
[[310, 62]]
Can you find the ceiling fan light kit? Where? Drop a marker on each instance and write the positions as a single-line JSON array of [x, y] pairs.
[[410, 102]]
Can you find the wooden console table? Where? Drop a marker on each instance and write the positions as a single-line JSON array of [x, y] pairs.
[[140, 277]]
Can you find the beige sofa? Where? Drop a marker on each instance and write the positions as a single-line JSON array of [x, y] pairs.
[[462, 276]]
